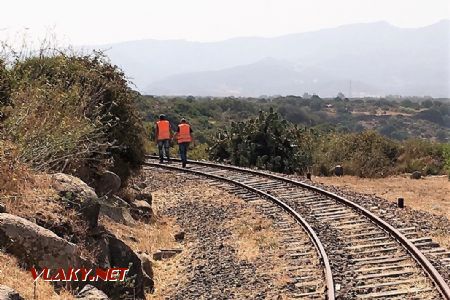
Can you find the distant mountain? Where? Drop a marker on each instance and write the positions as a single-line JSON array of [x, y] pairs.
[[377, 58]]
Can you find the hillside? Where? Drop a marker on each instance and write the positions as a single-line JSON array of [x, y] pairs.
[[378, 58]]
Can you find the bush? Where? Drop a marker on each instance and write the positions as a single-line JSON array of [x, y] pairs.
[[365, 154], [5, 85], [421, 155], [5, 92], [74, 114], [12, 173], [267, 142]]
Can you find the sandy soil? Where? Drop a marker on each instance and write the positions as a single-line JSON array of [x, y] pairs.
[[431, 194]]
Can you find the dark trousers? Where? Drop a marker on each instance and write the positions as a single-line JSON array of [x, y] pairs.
[[163, 148], [183, 152]]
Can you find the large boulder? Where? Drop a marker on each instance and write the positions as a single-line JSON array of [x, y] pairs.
[[35, 245], [72, 187], [108, 184], [117, 214], [116, 209], [90, 292], [7, 293], [77, 194], [115, 253]]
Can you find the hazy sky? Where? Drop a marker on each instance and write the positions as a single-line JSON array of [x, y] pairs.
[[104, 21]]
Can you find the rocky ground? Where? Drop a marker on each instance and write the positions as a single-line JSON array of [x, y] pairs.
[[52, 221], [186, 238], [426, 224], [229, 250]]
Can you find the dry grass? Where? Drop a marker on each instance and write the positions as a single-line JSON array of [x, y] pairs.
[[22, 281], [252, 236], [24, 192], [35, 196], [431, 194], [146, 238]]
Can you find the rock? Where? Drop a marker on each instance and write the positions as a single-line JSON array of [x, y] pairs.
[[166, 253], [7, 293], [2, 208], [35, 245], [416, 175], [141, 210], [72, 188], [147, 268], [77, 194], [338, 170], [118, 214], [90, 209], [141, 185], [141, 205], [90, 292], [108, 184], [146, 196], [117, 201], [179, 237], [147, 265], [116, 253]]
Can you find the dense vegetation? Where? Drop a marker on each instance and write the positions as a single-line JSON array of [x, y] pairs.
[[269, 142], [398, 119], [72, 113], [293, 134]]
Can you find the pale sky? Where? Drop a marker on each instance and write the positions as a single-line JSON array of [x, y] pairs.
[[91, 22]]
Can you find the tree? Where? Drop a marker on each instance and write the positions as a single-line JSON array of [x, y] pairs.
[[340, 95]]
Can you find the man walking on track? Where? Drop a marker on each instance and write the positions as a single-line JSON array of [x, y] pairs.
[[163, 135], [184, 137]]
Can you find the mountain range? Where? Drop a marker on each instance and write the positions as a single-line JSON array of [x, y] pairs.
[[368, 59]]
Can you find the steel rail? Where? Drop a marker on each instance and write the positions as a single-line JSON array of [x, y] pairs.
[[418, 256], [329, 283]]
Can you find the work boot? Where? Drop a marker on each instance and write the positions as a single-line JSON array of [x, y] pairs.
[[184, 164]]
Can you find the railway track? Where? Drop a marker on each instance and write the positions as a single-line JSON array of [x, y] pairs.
[[365, 257]]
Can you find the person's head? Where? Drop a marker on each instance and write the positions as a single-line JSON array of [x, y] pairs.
[[162, 117], [183, 120]]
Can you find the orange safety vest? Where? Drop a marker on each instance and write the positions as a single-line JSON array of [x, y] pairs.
[[184, 134], [163, 130]]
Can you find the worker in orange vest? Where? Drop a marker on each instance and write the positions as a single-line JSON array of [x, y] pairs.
[[163, 135], [184, 137]]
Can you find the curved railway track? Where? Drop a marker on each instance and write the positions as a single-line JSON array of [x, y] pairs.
[[363, 257]]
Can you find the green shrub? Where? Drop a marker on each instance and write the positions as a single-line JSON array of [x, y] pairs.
[[5, 85], [365, 154], [421, 155], [267, 142], [75, 113]]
